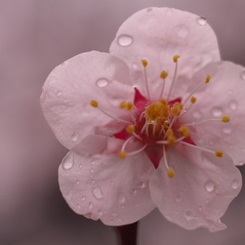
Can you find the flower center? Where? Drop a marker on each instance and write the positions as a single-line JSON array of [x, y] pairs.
[[156, 125]]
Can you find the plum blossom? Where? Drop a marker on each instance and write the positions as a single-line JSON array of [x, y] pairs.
[[156, 123]]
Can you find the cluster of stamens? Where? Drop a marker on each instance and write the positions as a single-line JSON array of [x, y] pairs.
[[158, 122]]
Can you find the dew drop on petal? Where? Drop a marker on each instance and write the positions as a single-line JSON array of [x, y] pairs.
[[235, 184], [114, 215], [227, 130], [90, 205], [67, 162], [201, 21], [149, 10], [233, 105], [77, 182], [59, 93], [125, 40], [197, 114], [98, 193], [182, 31], [121, 198], [83, 198], [189, 215], [243, 75], [100, 212], [80, 165], [216, 111], [75, 136], [178, 198], [209, 186], [102, 82]]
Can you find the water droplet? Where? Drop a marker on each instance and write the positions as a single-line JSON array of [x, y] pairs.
[[189, 215], [197, 114], [134, 191], [209, 186], [243, 75], [227, 130], [90, 205], [149, 10], [121, 198], [92, 181], [182, 31], [78, 206], [67, 162], [91, 170], [114, 215], [230, 92], [100, 212], [216, 112], [74, 136], [59, 93], [80, 165], [201, 21], [125, 40], [141, 185], [178, 198], [240, 164], [93, 163], [98, 193], [233, 105], [83, 198], [102, 82], [235, 184], [77, 182], [200, 208]]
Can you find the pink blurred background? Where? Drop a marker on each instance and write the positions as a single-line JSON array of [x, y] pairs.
[[37, 35]]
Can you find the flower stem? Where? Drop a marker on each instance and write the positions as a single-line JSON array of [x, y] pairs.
[[127, 234]]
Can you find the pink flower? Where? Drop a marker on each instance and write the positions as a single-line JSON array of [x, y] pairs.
[[158, 122]]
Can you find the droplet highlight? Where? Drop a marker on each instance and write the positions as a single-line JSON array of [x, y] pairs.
[[209, 186], [67, 162], [102, 82], [201, 21], [243, 75], [235, 184], [124, 40], [216, 112], [98, 193], [121, 198], [227, 130], [233, 105]]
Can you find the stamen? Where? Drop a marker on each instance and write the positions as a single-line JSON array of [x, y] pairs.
[[145, 63], [185, 131], [163, 75], [217, 153], [208, 77], [95, 104], [130, 128], [224, 119], [193, 99], [175, 59], [170, 171], [122, 154]]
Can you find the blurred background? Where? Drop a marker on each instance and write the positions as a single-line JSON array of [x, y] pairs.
[[37, 35]]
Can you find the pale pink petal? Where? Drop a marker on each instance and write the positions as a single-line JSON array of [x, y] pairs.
[[71, 86], [224, 95], [201, 190], [157, 34], [105, 187]]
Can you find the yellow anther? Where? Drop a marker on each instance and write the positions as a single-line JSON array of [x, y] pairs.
[[175, 58], [208, 77], [176, 109], [226, 118], [129, 106], [193, 99], [144, 62], [154, 110], [163, 74], [166, 124], [185, 131], [130, 128], [171, 140], [164, 101], [169, 132], [94, 103], [171, 173], [123, 104], [219, 153], [122, 154]]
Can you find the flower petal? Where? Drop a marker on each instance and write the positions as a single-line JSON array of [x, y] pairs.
[[201, 190], [223, 95], [71, 86], [157, 34], [104, 187]]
